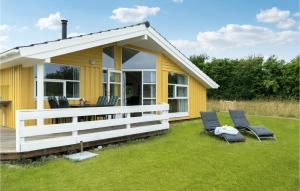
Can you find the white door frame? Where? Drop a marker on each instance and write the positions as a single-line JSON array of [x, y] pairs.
[[109, 71], [124, 93], [142, 81]]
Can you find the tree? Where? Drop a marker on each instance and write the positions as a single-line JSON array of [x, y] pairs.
[[251, 77]]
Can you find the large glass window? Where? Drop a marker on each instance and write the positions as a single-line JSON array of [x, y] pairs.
[[177, 92], [108, 62], [146, 63], [108, 57], [60, 80], [134, 59]]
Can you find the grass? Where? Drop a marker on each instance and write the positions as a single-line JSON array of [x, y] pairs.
[[282, 108], [182, 159]]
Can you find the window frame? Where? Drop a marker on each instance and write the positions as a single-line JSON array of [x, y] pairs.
[[105, 84], [64, 82], [142, 71], [175, 97], [149, 83]]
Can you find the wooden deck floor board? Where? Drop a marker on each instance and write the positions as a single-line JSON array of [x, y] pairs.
[[7, 140]]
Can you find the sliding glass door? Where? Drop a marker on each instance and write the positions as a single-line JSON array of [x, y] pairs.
[[114, 83]]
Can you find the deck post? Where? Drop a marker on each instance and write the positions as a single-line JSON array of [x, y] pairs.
[[128, 117], [20, 124], [165, 112], [40, 90], [18, 148], [75, 132]]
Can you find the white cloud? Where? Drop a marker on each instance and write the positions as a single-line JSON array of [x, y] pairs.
[[137, 14], [3, 48], [22, 29], [177, 1], [233, 37], [75, 34], [286, 24], [77, 27], [296, 14], [3, 38], [5, 28], [52, 22], [272, 15]]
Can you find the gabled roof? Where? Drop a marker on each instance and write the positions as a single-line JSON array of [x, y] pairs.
[[40, 52]]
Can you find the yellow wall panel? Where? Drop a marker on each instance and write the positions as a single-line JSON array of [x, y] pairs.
[[197, 92]]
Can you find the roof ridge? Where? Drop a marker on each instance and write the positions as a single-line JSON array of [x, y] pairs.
[[146, 23]]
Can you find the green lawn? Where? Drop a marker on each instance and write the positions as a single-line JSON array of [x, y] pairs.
[[179, 160]]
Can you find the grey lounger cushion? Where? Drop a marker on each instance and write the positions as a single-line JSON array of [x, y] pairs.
[[234, 138], [261, 131], [210, 120]]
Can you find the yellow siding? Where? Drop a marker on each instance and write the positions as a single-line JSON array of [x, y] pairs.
[[17, 83], [10, 90], [197, 92], [90, 75]]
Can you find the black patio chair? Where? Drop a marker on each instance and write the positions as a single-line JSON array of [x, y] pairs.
[[63, 102], [53, 103], [102, 101], [210, 122], [241, 123], [113, 101]]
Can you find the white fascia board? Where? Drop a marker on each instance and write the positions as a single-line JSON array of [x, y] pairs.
[[185, 62], [65, 46], [9, 56]]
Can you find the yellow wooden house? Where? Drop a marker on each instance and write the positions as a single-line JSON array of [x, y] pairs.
[[134, 63]]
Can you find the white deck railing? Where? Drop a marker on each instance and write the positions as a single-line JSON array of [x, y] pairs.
[[44, 136]]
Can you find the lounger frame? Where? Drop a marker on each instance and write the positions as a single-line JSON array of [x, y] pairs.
[[249, 130]]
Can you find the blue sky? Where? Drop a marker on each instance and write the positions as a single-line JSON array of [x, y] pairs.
[[228, 28]]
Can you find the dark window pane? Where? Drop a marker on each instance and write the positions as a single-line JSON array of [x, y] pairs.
[[149, 101], [104, 76], [57, 71], [134, 59], [181, 91], [171, 91], [54, 89], [174, 78], [108, 58], [104, 89], [149, 91], [178, 105], [73, 89]]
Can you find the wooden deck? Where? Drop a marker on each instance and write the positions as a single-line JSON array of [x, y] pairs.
[[8, 142]]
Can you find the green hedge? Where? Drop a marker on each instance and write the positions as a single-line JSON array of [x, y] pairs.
[[252, 77]]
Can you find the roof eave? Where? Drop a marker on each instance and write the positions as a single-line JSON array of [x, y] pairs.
[[9, 56], [195, 71]]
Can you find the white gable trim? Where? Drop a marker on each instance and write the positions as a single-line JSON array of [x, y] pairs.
[[183, 61], [56, 48]]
